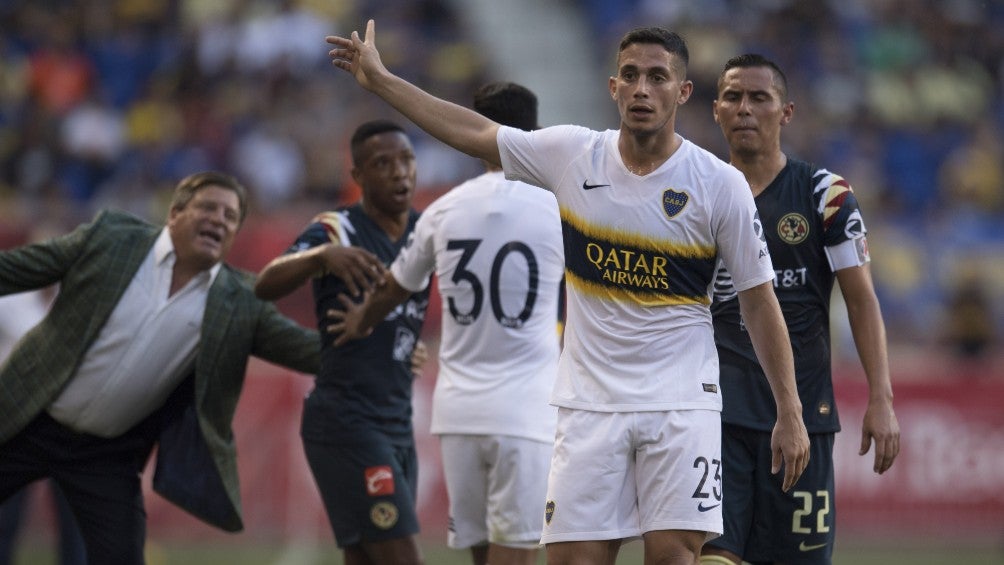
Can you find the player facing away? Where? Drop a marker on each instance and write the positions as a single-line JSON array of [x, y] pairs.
[[816, 235], [357, 429], [644, 213], [495, 246]]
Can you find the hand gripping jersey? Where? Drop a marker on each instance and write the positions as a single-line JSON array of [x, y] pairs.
[[366, 382], [640, 254], [495, 246], [813, 228]]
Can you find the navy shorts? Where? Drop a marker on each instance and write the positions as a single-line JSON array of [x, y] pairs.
[[368, 488], [764, 524]]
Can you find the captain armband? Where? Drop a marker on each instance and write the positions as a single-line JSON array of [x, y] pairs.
[[851, 253]]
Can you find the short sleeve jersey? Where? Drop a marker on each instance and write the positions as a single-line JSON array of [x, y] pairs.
[[805, 210], [640, 254], [367, 382], [495, 246]]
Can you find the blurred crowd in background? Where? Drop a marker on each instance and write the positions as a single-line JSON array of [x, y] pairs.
[[110, 102]]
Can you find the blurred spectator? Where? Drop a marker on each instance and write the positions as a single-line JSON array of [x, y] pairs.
[[968, 329], [972, 176], [93, 139], [61, 74], [271, 164]]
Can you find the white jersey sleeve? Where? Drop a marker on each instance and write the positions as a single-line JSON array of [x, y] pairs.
[[417, 259], [739, 233]]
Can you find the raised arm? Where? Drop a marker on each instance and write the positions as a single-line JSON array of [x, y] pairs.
[[762, 315], [868, 329], [459, 127], [357, 267]]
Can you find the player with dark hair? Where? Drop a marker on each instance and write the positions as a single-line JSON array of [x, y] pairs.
[[498, 356], [645, 214], [357, 429], [816, 236]]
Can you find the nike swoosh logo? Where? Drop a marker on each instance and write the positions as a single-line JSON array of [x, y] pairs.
[[702, 508], [587, 186], [803, 547]]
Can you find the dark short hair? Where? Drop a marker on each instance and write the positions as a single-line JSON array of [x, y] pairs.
[[366, 131], [188, 186], [669, 40], [754, 60], [507, 103]]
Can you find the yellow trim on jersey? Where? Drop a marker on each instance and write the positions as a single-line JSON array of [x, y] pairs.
[[332, 223], [832, 199], [637, 240], [619, 294]]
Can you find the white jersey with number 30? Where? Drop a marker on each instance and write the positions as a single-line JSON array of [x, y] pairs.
[[640, 255], [495, 246]]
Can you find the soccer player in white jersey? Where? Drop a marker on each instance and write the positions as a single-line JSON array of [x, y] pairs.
[[495, 246], [645, 214]]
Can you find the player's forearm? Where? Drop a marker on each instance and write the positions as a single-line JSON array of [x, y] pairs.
[[769, 334], [287, 273], [461, 128], [383, 300], [868, 330]]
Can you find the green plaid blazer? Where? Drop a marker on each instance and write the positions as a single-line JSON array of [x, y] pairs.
[[196, 456]]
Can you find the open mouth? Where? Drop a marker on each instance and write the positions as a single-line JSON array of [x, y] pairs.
[[211, 235]]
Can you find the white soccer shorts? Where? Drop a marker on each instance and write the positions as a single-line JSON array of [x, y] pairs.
[[496, 486], [617, 475]]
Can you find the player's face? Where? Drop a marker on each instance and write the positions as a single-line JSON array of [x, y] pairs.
[[204, 229], [650, 84], [387, 172], [750, 111]]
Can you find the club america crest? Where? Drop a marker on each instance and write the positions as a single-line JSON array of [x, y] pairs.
[[674, 202], [384, 515], [793, 228]]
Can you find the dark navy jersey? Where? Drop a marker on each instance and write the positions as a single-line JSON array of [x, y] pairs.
[[366, 383], [803, 211]]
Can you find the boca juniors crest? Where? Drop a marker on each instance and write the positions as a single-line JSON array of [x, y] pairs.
[[674, 202]]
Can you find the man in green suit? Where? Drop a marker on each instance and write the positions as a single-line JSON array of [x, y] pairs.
[[146, 343]]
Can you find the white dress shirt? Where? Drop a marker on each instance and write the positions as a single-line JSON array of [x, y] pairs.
[[142, 353]]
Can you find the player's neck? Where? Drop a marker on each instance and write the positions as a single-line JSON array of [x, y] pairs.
[[642, 154], [393, 225], [760, 169]]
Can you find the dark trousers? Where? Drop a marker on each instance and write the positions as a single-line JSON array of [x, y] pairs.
[[12, 513], [99, 477]]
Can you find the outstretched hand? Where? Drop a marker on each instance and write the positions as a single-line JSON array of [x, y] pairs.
[[789, 443], [357, 56], [346, 324], [359, 269]]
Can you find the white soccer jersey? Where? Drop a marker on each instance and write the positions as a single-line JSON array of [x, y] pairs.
[[495, 246], [640, 254]]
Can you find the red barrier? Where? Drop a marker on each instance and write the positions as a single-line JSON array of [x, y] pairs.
[[949, 478], [948, 481]]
